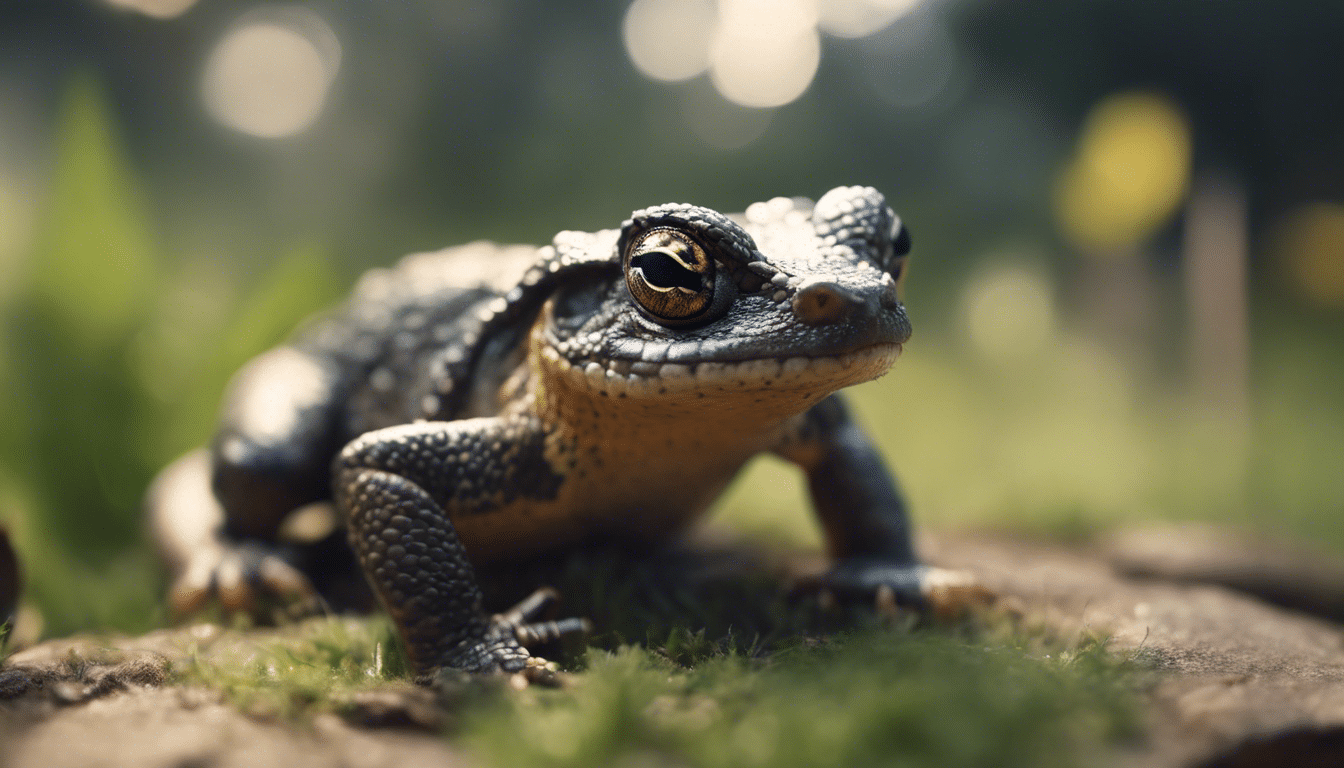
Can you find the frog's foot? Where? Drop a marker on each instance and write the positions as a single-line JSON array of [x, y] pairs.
[[243, 577], [497, 653], [893, 586], [528, 627], [504, 648]]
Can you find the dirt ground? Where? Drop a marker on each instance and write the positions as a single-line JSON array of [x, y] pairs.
[[1250, 665]]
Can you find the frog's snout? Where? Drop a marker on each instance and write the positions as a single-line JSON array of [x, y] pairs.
[[823, 301]]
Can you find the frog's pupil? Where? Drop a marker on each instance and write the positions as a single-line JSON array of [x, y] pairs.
[[663, 271]]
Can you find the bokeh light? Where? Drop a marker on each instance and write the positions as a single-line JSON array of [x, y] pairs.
[[723, 124], [271, 74], [159, 9], [1310, 245], [860, 18], [1009, 312], [669, 39], [1130, 173], [765, 53], [913, 63]]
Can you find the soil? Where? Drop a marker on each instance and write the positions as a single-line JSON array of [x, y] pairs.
[[1249, 665]]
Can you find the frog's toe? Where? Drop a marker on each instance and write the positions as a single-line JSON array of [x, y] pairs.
[[950, 594], [236, 594], [538, 671], [284, 581], [530, 608], [858, 579], [194, 589], [542, 632], [522, 620], [943, 593], [452, 683], [241, 578], [504, 647]]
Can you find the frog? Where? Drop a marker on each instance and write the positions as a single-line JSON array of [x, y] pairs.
[[486, 402]]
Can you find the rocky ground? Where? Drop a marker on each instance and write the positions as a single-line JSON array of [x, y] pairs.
[[1243, 682], [1250, 666]]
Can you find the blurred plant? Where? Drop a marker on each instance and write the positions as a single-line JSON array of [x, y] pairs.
[[101, 369]]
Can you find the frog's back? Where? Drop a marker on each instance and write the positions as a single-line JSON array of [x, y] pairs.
[[392, 338]]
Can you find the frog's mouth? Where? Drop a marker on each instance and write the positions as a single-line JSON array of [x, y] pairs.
[[778, 375]]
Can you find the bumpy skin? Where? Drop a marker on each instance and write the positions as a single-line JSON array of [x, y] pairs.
[[486, 402]]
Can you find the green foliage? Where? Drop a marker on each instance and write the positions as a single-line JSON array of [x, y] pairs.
[[95, 258], [106, 378], [69, 334], [873, 698], [191, 374]]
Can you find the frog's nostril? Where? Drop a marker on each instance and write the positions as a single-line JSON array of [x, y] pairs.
[[824, 303]]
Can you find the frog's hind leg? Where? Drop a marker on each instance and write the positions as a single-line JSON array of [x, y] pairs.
[[399, 486], [279, 429], [217, 513]]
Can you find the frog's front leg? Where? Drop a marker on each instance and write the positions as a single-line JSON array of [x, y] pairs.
[[400, 487], [864, 517]]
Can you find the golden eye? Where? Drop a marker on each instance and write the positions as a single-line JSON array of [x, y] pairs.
[[670, 275]]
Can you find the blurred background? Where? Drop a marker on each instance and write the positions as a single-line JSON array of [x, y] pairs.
[[1127, 283]]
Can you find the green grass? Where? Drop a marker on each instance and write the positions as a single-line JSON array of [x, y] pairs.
[[868, 698], [965, 696], [299, 670], [112, 360], [699, 662]]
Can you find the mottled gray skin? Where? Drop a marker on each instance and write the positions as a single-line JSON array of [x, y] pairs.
[[485, 402]]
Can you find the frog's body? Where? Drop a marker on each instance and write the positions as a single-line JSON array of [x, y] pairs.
[[486, 402]]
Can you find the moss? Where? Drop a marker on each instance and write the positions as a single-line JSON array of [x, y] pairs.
[[869, 698], [292, 673]]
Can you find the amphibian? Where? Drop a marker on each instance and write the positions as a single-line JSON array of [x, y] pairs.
[[487, 402]]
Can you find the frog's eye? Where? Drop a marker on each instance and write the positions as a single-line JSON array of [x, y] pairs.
[[900, 248], [670, 275]]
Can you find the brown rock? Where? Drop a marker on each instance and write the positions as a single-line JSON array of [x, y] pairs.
[[1238, 672], [169, 727], [1288, 573]]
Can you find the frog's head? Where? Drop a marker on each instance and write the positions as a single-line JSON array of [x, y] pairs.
[[787, 303]]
